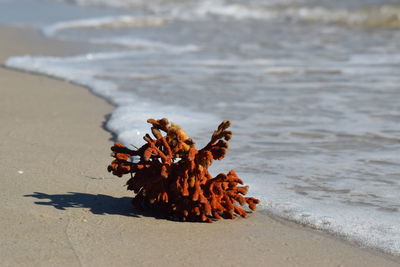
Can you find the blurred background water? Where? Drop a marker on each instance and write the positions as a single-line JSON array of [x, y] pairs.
[[311, 86]]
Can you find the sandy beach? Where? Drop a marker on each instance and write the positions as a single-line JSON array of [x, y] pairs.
[[60, 206]]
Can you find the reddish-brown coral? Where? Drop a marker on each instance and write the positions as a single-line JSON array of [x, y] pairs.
[[168, 173]]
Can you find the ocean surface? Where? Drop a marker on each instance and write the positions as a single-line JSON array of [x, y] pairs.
[[312, 88]]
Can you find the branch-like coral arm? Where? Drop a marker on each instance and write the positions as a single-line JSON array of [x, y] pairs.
[[172, 176]]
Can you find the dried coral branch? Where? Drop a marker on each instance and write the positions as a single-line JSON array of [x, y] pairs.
[[171, 175]]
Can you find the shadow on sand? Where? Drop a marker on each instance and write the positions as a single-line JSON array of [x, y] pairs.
[[97, 204]]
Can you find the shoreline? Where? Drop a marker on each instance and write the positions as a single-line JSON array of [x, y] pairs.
[[54, 144]]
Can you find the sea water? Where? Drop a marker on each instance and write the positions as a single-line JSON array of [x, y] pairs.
[[312, 88]]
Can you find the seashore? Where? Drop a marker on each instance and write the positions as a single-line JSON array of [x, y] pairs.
[[61, 207]]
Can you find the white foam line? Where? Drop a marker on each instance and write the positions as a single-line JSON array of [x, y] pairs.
[[111, 21], [236, 11], [202, 10], [145, 44], [128, 120]]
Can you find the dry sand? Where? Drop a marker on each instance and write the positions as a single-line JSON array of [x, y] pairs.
[[60, 207]]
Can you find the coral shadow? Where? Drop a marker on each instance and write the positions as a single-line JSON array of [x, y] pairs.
[[96, 203]]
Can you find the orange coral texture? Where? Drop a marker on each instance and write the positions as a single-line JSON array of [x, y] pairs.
[[169, 174]]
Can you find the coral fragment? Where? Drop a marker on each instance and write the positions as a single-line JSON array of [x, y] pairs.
[[169, 174]]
